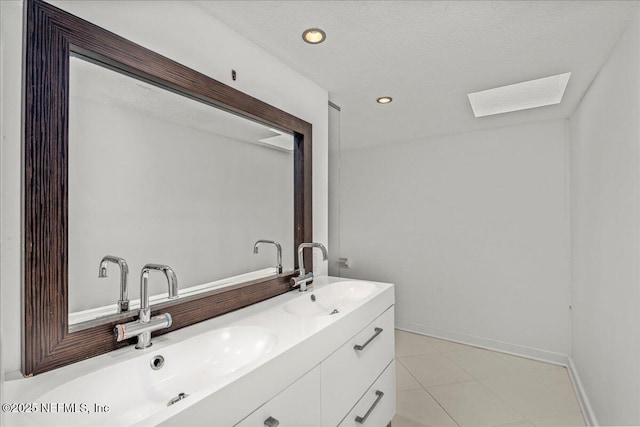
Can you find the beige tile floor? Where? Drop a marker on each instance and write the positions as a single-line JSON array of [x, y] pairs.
[[442, 383]]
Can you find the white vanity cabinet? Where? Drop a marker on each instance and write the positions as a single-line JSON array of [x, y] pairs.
[[349, 372], [378, 404], [296, 406], [357, 381]]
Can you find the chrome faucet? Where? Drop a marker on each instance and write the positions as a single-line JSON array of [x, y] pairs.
[[278, 252], [303, 279], [123, 302], [146, 324]]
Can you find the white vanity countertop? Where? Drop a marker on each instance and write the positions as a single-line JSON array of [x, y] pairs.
[[302, 343]]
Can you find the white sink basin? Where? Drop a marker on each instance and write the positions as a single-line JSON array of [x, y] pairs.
[[331, 299], [134, 391]]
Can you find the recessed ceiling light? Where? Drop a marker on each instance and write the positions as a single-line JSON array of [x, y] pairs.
[[519, 96], [384, 100], [314, 35]]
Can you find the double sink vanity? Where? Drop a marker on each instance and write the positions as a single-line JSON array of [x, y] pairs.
[[323, 357]]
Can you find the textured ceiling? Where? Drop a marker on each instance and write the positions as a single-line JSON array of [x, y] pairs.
[[428, 55]]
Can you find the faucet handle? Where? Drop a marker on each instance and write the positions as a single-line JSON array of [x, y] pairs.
[[301, 282], [129, 330]]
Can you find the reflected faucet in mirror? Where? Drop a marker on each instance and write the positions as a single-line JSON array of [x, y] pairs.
[[304, 279], [123, 302], [146, 324], [278, 252]]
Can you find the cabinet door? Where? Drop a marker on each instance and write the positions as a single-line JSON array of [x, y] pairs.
[[378, 404], [296, 406], [351, 370]]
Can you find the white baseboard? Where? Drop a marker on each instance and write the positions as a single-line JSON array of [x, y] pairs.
[[489, 344], [587, 410], [515, 350]]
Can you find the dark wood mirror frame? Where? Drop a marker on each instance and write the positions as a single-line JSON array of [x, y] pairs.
[[51, 35]]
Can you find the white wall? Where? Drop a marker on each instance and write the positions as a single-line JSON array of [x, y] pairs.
[[334, 191], [605, 206], [8, 11], [185, 33], [11, 15], [473, 230]]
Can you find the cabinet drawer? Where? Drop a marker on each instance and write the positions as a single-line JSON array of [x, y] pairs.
[[350, 371], [378, 405], [296, 406]]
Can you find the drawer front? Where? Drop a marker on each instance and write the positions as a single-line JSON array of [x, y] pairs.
[[351, 370], [378, 405], [296, 406]]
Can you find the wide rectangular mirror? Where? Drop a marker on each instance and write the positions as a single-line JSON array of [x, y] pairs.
[[125, 155], [157, 177]]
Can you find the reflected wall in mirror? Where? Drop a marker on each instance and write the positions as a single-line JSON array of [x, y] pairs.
[[157, 177], [54, 232]]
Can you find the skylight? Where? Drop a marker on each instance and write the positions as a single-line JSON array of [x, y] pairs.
[[519, 96]]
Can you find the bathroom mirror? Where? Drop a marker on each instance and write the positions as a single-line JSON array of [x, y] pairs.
[[53, 231], [157, 177]]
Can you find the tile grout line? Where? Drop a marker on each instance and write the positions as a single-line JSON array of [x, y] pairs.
[[524, 418], [480, 381], [438, 351], [495, 354], [427, 391], [485, 387], [550, 389]]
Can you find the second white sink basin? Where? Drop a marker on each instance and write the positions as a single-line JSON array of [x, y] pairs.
[[330, 299]]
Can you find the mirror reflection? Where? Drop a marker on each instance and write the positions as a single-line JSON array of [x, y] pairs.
[[155, 177]]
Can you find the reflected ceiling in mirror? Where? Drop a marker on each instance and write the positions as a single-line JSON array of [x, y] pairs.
[[156, 177]]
